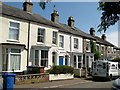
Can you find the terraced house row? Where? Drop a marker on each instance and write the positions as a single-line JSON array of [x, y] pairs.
[[28, 39]]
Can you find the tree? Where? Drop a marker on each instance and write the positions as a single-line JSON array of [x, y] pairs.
[[110, 14], [43, 3]]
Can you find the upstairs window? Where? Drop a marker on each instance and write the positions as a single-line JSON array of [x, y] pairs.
[[14, 31], [97, 47], [41, 35], [102, 49], [108, 50], [75, 43], [54, 40], [87, 45], [61, 41]]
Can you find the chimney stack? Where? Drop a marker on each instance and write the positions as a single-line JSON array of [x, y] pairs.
[[103, 37], [71, 22], [92, 31], [27, 6], [55, 16]]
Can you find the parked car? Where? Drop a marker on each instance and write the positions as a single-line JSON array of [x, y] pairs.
[[116, 84]]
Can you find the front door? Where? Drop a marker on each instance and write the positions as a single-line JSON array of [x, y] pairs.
[[60, 60]]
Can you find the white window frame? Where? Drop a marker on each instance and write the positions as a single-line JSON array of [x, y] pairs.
[[61, 41], [13, 21], [87, 45], [41, 35], [40, 58], [102, 50], [79, 62], [76, 41], [54, 37], [74, 61], [9, 55], [108, 50]]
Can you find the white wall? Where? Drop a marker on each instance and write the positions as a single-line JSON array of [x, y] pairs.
[[48, 41], [80, 45], [23, 34], [66, 42]]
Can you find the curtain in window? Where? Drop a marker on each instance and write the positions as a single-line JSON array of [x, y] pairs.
[[14, 62]]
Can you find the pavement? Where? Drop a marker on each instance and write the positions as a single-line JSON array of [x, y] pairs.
[[54, 84]]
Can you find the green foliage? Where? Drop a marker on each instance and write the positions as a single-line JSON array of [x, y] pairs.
[[43, 3], [116, 59], [61, 70], [97, 54], [93, 47], [110, 14]]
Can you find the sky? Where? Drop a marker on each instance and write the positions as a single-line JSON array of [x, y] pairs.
[[85, 15]]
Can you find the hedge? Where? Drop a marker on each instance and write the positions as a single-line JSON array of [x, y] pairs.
[[61, 70]]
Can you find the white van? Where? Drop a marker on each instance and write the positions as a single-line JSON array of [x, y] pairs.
[[105, 69]]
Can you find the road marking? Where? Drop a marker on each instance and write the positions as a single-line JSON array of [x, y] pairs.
[[66, 84]]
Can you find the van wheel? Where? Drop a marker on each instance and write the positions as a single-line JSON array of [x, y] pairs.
[[110, 78]]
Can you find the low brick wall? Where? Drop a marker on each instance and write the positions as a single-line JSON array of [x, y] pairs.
[[31, 78]]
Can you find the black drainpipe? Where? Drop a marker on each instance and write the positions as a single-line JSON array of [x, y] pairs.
[[28, 43]]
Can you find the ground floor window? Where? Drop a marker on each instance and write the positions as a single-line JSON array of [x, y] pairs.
[[41, 58], [66, 60], [11, 59], [77, 61], [53, 58]]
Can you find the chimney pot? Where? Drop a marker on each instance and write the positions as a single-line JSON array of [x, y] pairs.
[[103, 37], [27, 6], [55, 16], [92, 31], [71, 22]]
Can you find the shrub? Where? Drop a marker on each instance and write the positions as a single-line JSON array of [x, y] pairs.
[[117, 59], [61, 70]]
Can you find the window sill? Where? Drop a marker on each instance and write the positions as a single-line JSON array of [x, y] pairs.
[[40, 43], [54, 45], [12, 40], [61, 48]]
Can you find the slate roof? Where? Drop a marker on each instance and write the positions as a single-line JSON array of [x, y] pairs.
[[76, 31], [103, 42], [115, 47], [18, 13]]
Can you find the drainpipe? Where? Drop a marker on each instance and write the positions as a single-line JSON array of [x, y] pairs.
[[28, 43], [70, 48]]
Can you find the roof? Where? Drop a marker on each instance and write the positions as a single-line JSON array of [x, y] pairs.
[[19, 13], [115, 47], [75, 31], [101, 41]]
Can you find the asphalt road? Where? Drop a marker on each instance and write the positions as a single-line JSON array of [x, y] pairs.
[[92, 85]]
